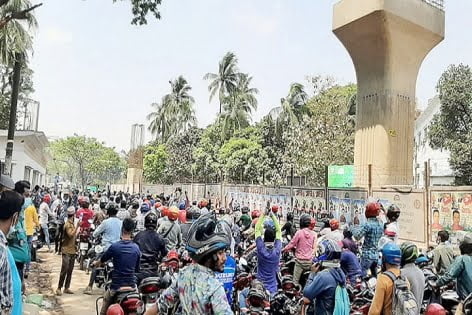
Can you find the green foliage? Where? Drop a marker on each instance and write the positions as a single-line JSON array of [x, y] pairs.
[[86, 161], [206, 164], [155, 161], [451, 129], [142, 8]]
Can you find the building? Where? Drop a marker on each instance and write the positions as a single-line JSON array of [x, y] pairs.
[[441, 172], [30, 157]]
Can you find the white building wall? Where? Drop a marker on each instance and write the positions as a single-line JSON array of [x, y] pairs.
[[441, 173]]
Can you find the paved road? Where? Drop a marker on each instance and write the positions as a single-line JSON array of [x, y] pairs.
[[77, 303]]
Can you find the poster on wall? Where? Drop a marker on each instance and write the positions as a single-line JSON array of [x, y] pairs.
[[347, 206], [412, 218], [309, 200], [451, 211]]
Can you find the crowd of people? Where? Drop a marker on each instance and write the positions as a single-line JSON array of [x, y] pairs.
[[136, 232]]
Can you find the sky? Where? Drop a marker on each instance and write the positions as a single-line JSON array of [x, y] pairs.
[[95, 74]]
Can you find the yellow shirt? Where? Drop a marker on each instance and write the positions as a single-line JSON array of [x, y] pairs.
[[383, 298], [31, 220]]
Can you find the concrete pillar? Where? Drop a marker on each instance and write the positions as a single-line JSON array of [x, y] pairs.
[[387, 40]]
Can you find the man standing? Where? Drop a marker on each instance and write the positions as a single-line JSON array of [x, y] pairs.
[[44, 213], [69, 251]]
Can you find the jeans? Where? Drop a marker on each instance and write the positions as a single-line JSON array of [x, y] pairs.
[[45, 229], [300, 267], [107, 300], [66, 270], [29, 239], [369, 263], [93, 274]]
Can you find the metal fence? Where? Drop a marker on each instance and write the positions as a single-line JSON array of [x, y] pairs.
[[436, 3]]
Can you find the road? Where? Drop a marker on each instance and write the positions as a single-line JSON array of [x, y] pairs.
[[77, 303]]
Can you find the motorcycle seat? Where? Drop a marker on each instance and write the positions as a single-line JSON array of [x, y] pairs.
[[149, 280]]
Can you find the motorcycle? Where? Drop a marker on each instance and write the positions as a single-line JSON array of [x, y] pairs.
[[288, 300], [36, 244], [128, 300], [361, 295], [150, 289], [85, 243]]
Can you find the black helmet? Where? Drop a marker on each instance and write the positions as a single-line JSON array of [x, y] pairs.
[[409, 252], [245, 210], [393, 212], [466, 245], [150, 220], [289, 216], [207, 235], [305, 221], [192, 214]]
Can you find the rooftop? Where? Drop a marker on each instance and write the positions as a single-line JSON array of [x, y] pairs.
[[435, 3]]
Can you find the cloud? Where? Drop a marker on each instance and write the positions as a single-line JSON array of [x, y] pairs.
[[58, 36]]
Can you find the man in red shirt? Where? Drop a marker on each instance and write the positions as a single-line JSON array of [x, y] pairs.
[[85, 213]]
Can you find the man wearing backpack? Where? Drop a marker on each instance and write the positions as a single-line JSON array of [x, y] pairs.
[[327, 287], [413, 274], [392, 293]]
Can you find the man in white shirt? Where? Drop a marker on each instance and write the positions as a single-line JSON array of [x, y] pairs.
[[44, 213]]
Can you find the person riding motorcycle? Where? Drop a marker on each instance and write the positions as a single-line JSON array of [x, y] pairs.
[[371, 231], [152, 247], [85, 214], [393, 213], [196, 289], [245, 220], [443, 254], [289, 229], [304, 243], [335, 234], [411, 272], [192, 215], [169, 229], [461, 271], [123, 212]]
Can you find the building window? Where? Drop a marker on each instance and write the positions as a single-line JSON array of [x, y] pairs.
[[27, 173], [35, 180]]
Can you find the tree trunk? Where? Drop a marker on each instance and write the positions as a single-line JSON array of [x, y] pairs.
[[13, 105]]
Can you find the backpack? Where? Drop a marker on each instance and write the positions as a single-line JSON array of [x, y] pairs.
[[404, 302]]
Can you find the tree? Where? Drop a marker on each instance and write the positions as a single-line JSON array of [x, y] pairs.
[[238, 106], [89, 159], [206, 165], [225, 81], [155, 161], [325, 136], [142, 8], [293, 106], [175, 114], [451, 128]]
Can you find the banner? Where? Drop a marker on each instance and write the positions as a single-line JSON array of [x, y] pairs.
[[309, 200], [347, 206]]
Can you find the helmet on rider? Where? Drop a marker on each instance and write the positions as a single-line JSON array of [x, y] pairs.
[[329, 250], [47, 198], [312, 224], [255, 214], [173, 213], [207, 236], [150, 221], [372, 210], [435, 309], [192, 214], [391, 254], [145, 208], [115, 309], [466, 245], [172, 255], [275, 208], [305, 221], [393, 213], [409, 252], [157, 205], [182, 205], [334, 224], [245, 210]]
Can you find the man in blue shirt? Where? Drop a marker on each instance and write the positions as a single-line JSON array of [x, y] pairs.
[[125, 255], [110, 230], [227, 277]]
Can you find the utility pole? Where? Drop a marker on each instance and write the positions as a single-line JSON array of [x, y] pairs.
[[13, 106]]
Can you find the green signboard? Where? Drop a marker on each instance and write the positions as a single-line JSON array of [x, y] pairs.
[[92, 188], [340, 176]]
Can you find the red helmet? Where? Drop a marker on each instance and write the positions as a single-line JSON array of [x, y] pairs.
[[372, 210], [334, 224], [172, 255], [173, 213], [435, 309], [275, 208], [47, 198], [157, 205], [255, 214], [115, 309], [312, 224], [164, 211]]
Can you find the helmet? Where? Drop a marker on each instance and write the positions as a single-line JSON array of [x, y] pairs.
[[182, 205], [135, 204], [393, 212], [255, 214], [164, 211], [422, 261], [173, 213], [203, 203], [312, 224], [372, 210], [145, 207], [391, 254], [150, 220], [409, 252], [192, 214], [172, 255], [305, 221], [47, 198], [289, 216], [329, 250], [157, 204], [207, 235], [334, 224], [466, 245], [115, 309], [85, 202], [275, 208], [245, 210], [435, 309]]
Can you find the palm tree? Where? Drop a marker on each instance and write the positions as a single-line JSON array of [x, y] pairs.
[[225, 81], [293, 106], [238, 106], [175, 114]]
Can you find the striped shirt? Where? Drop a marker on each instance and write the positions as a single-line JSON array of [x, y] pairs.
[[6, 287]]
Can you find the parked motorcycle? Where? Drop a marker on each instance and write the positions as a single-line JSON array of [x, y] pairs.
[[36, 244]]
